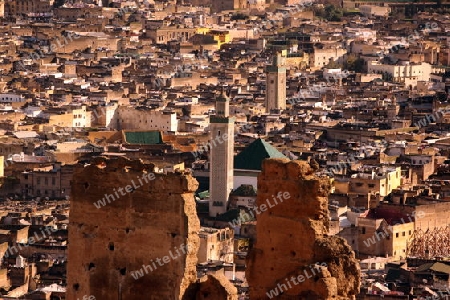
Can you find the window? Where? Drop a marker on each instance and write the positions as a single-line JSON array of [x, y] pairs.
[[363, 230], [403, 233], [371, 185], [396, 235], [53, 181], [38, 180], [410, 232]]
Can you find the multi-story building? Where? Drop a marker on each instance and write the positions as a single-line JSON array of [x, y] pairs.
[[216, 244], [129, 118], [377, 180], [26, 7], [52, 182], [407, 73], [323, 56], [381, 237], [165, 34], [10, 98], [71, 117]]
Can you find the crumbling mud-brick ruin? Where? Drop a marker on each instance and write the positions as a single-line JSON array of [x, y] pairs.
[[108, 243], [292, 235]]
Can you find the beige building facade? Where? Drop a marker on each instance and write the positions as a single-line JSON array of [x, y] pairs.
[[216, 244]]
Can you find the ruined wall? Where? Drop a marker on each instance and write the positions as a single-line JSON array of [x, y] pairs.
[[292, 237], [215, 287], [107, 244]]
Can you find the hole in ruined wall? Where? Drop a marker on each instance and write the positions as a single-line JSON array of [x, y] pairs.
[[123, 271], [76, 286], [91, 266], [272, 248], [293, 253], [173, 235], [127, 230], [86, 185], [111, 246], [271, 269]]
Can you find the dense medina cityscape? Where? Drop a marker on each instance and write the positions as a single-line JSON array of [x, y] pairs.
[[224, 149]]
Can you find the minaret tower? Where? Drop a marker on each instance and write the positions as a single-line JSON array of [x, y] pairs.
[[276, 83], [221, 157]]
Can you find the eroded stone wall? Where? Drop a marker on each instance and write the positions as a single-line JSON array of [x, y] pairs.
[[292, 239], [109, 243]]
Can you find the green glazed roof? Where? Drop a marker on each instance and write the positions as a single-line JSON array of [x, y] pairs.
[[251, 157], [143, 137]]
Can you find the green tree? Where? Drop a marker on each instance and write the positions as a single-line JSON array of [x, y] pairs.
[[386, 76], [354, 63], [330, 13], [58, 3], [333, 65]]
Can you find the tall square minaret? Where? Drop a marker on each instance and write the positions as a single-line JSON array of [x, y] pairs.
[[221, 157], [276, 83]]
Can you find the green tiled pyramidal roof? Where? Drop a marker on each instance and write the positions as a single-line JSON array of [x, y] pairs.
[[251, 157], [143, 137]]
